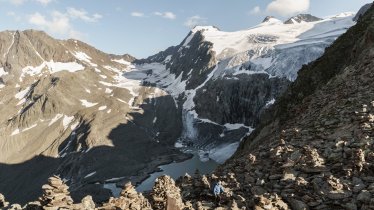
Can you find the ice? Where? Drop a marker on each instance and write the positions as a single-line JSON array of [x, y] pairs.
[[87, 104], [241, 41], [222, 153], [234, 126]]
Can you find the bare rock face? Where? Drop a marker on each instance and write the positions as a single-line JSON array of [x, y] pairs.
[[56, 194], [166, 195], [129, 199]]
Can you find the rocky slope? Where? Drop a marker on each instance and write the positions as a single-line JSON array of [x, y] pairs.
[[312, 150], [67, 109]]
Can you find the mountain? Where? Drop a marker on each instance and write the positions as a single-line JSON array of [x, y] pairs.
[[95, 119], [302, 18], [311, 150], [236, 74], [362, 11], [67, 109]]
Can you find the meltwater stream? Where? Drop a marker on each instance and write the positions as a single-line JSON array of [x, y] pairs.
[[175, 170]]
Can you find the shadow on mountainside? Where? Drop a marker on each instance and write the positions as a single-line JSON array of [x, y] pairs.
[[139, 146]]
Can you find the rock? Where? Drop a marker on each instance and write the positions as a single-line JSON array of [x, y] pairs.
[[3, 203], [88, 203], [15, 207], [56, 194], [297, 205], [166, 195], [364, 197], [129, 199]]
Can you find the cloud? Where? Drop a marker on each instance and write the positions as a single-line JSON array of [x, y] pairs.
[[195, 21], [167, 15], [44, 2], [17, 2], [20, 2], [288, 7], [83, 15], [59, 23], [16, 17], [256, 10], [137, 14]]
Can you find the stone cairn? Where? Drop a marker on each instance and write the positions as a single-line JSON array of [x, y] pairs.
[[56, 195], [129, 200], [166, 195], [3, 203]]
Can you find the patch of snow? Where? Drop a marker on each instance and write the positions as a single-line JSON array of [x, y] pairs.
[[55, 119], [178, 145], [74, 126], [234, 126], [84, 57], [66, 121], [90, 174], [271, 102], [154, 120], [109, 111], [15, 132], [87, 104], [87, 90], [2, 72], [22, 94], [102, 108], [29, 128], [108, 90], [103, 76]]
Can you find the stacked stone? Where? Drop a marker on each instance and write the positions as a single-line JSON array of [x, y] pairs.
[[129, 200], [3, 203], [166, 195], [56, 195]]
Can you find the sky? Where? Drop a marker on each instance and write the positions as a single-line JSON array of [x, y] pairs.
[[144, 27]]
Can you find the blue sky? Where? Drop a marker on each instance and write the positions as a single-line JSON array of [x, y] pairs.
[[144, 27]]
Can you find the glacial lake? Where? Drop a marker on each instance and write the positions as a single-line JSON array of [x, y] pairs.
[[175, 170]]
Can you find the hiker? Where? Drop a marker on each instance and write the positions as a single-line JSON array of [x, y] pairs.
[[218, 190]]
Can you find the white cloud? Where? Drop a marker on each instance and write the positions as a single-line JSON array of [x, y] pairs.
[[167, 15], [44, 2], [256, 10], [288, 7], [17, 2], [20, 2], [59, 23], [83, 15], [194, 21], [137, 14]]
